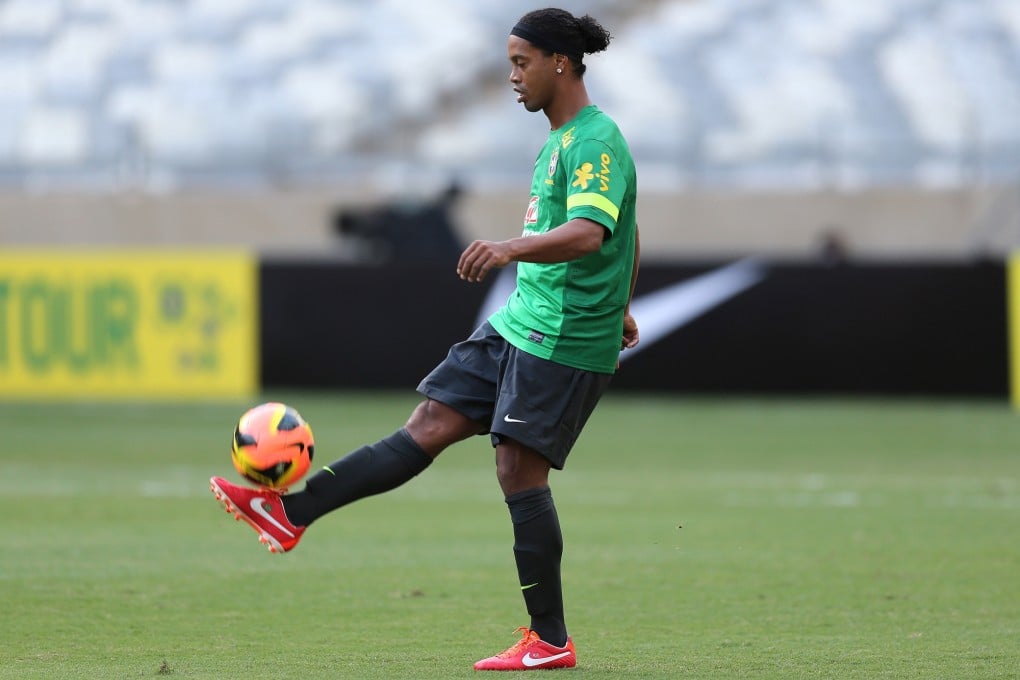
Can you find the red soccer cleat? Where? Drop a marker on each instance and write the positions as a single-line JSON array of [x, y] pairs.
[[260, 508], [529, 654]]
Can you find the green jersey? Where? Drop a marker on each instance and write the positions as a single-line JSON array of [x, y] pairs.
[[572, 312]]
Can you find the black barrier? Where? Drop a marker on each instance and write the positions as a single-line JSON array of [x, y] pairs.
[[326, 325], [867, 329]]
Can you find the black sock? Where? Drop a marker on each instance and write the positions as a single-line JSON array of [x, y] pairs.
[[364, 472], [538, 547]]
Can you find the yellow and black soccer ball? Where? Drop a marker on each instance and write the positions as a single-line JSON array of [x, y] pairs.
[[273, 446]]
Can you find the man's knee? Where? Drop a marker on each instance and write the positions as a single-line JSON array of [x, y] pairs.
[[434, 426], [519, 468]]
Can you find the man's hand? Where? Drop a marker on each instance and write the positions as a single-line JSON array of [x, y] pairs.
[[631, 336], [481, 257]]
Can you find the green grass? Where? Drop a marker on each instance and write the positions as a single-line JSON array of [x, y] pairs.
[[724, 538]]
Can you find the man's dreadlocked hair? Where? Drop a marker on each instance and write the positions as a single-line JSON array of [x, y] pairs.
[[579, 35]]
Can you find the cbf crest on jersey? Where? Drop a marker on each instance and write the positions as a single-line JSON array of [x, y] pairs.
[[553, 160]]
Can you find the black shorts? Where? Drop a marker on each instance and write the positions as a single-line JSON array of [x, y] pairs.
[[539, 403]]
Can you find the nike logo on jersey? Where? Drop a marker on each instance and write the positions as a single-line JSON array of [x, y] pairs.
[[531, 659], [256, 505], [508, 419]]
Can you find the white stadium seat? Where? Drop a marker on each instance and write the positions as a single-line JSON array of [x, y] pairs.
[[728, 92]]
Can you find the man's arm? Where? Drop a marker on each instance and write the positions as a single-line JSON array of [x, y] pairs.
[[569, 241], [630, 327]]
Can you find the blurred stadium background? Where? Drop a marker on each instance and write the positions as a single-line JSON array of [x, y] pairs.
[[224, 201], [799, 131]]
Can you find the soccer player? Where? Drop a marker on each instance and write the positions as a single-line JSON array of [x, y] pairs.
[[531, 375]]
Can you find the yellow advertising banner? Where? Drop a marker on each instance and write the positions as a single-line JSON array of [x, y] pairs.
[[127, 323]]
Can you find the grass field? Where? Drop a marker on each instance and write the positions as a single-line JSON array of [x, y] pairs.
[[728, 538]]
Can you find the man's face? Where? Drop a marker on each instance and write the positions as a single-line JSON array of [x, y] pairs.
[[531, 73]]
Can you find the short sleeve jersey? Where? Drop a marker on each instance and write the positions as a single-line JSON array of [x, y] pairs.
[[572, 312]]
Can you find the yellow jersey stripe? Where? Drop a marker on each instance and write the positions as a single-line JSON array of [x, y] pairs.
[[595, 201]]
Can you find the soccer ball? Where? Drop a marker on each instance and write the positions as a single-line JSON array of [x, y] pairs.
[[273, 446]]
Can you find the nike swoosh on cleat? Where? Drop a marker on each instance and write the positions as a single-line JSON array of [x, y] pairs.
[[256, 505], [508, 419], [530, 660]]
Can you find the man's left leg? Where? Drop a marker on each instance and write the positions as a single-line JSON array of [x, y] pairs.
[[538, 548]]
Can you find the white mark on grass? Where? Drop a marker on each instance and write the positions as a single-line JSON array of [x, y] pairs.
[[71, 481], [813, 482], [797, 499], [171, 489], [973, 501], [843, 499]]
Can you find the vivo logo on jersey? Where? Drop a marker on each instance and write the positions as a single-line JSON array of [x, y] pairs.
[[531, 216], [604, 174]]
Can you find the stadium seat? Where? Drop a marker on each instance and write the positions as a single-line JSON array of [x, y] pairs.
[[727, 92]]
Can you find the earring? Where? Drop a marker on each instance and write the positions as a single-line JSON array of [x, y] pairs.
[[559, 70]]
